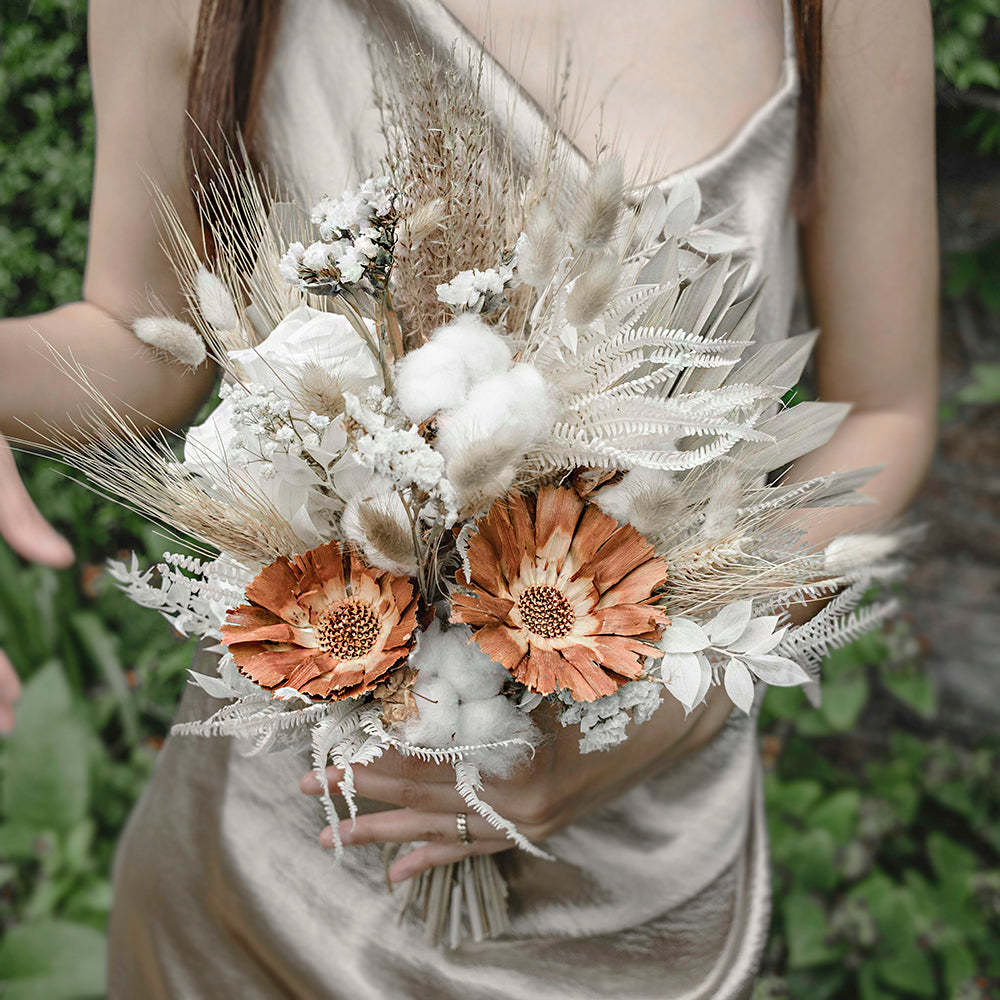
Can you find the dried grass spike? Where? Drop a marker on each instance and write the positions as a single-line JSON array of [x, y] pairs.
[[172, 336], [215, 301], [541, 247], [600, 207], [592, 291]]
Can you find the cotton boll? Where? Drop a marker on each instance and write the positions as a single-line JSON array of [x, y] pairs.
[[489, 721], [483, 352], [469, 672], [430, 379], [173, 336], [437, 722], [515, 403]]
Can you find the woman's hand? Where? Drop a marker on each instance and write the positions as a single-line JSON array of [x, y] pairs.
[[29, 534], [555, 788]]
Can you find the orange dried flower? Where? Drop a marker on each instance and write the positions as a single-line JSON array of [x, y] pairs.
[[561, 594], [325, 623]]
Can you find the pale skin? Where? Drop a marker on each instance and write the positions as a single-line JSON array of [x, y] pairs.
[[685, 76]]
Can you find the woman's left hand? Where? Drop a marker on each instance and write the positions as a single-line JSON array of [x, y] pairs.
[[552, 790]]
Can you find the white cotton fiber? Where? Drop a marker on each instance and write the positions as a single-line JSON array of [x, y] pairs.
[[483, 352], [469, 671], [514, 405], [489, 721], [431, 378], [437, 722]]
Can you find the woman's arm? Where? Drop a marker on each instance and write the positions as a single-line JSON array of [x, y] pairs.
[[871, 251], [139, 59]]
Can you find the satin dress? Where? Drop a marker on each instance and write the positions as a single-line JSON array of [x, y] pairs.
[[221, 889]]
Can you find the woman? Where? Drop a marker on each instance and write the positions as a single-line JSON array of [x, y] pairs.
[[663, 890]]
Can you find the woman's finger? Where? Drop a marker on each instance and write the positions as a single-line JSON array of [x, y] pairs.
[[404, 826], [420, 859], [422, 796], [21, 524]]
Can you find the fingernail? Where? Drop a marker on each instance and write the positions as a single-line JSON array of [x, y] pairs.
[[309, 784]]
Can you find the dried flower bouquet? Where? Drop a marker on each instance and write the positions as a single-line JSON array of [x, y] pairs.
[[488, 438]]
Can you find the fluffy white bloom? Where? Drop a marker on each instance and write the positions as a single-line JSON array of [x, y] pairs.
[[291, 261], [515, 405], [458, 697], [482, 350], [430, 379], [442, 374], [173, 336], [734, 638], [308, 336], [475, 290]]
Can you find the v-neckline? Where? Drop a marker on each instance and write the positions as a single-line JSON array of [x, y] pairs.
[[787, 84]]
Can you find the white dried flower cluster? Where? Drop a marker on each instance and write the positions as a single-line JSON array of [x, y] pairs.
[[604, 722], [406, 460], [733, 643], [473, 291], [356, 232]]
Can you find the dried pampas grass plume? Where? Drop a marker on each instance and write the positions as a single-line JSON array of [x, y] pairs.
[[215, 302], [172, 336], [541, 247], [599, 207], [380, 527], [592, 291]]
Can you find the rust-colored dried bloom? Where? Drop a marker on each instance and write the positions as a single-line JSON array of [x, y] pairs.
[[561, 594], [325, 623]]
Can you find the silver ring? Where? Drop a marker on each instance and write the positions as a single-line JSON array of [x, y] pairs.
[[464, 837]]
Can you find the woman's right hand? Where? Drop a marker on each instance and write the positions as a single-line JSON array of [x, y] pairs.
[[24, 529]]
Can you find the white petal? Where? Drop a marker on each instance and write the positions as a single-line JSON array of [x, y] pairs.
[[739, 685], [682, 674], [215, 686], [730, 623], [684, 636], [683, 205], [293, 470], [757, 635], [777, 670]]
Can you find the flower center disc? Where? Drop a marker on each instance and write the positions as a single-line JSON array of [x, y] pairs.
[[546, 612], [348, 630]]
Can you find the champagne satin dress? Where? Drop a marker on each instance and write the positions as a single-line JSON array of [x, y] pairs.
[[222, 890]]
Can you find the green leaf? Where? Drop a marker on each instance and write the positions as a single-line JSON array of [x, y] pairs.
[[985, 387], [806, 930], [912, 685], [46, 779], [843, 700], [838, 814], [101, 645], [52, 960]]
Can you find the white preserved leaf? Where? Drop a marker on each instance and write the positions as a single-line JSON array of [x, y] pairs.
[[730, 623], [214, 686], [739, 685], [682, 673], [777, 670], [758, 637], [683, 205], [683, 636]]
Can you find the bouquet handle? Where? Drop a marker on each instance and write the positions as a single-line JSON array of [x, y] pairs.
[[455, 902]]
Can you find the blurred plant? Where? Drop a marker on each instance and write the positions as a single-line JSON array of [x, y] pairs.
[[885, 844]]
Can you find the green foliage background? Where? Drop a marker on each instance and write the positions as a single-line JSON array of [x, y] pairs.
[[885, 835]]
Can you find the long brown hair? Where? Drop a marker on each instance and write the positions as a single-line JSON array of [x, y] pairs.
[[233, 47]]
